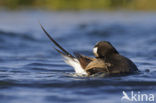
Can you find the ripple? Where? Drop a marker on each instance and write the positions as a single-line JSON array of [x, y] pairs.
[[31, 70], [14, 35], [45, 64]]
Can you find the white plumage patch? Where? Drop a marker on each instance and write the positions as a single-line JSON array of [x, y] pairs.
[[95, 51], [75, 64]]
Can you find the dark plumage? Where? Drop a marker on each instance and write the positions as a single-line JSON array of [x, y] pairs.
[[117, 63]]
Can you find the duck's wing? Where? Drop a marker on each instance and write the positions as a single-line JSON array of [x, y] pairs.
[[84, 60], [69, 59], [97, 66]]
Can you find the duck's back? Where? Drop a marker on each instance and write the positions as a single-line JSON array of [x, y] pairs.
[[121, 64]]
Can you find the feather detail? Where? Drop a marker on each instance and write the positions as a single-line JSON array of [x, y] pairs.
[[68, 58], [74, 62]]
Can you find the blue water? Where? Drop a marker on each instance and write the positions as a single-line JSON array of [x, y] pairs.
[[31, 71]]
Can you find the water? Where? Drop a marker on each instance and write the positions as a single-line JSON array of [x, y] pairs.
[[31, 71]]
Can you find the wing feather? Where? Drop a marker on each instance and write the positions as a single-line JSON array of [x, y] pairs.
[[84, 60]]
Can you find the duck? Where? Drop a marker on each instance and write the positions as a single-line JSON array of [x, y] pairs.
[[106, 60]]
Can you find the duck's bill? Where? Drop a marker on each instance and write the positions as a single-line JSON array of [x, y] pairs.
[[62, 50]]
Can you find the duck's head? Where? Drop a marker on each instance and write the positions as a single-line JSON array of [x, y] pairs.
[[104, 49]]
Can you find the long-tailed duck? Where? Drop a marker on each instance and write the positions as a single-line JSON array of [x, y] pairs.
[[107, 60]]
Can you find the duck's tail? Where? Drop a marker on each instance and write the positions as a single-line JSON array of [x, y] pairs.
[[68, 58]]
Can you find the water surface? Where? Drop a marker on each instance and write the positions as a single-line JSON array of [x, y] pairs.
[[31, 71]]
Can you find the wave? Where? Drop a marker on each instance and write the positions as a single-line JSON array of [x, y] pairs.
[[78, 84], [6, 35], [102, 30]]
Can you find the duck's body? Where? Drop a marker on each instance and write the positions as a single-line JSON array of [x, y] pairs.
[[114, 64], [107, 60]]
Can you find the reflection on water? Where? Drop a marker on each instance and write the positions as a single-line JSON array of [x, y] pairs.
[[31, 70]]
